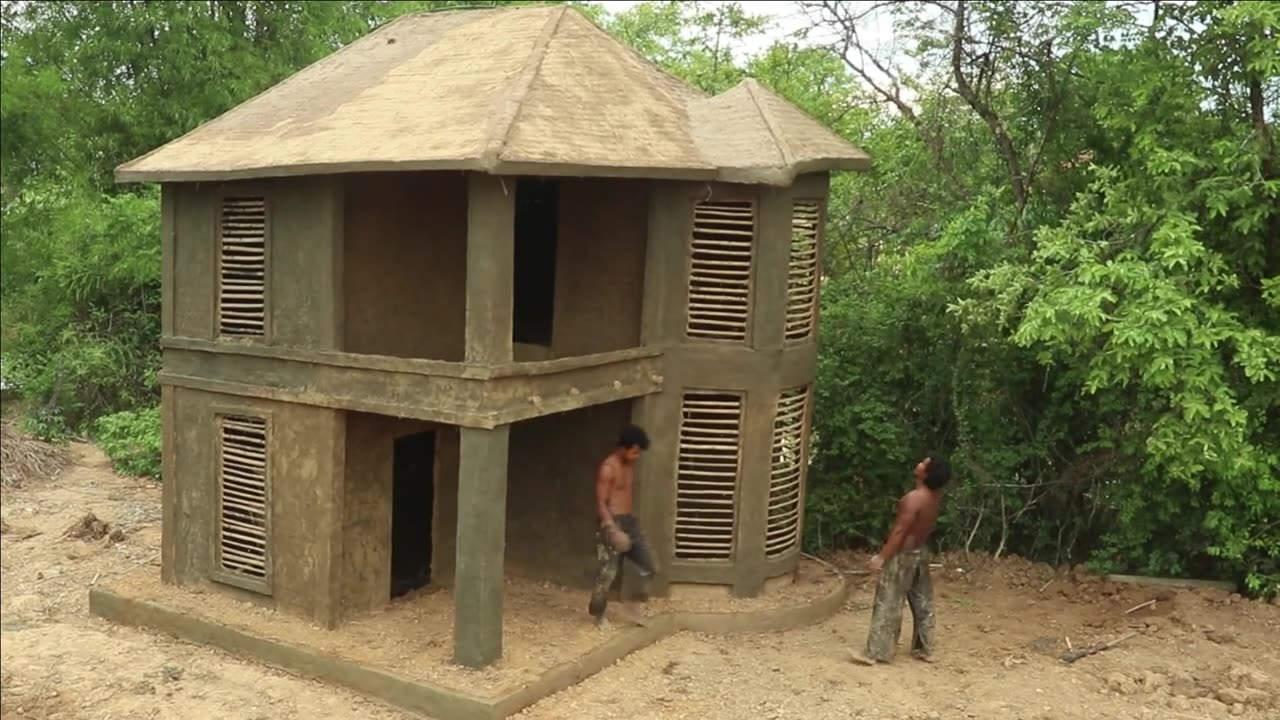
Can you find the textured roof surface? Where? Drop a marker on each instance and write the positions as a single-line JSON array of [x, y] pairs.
[[533, 90]]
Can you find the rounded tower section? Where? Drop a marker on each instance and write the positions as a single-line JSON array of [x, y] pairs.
[[725, 484]]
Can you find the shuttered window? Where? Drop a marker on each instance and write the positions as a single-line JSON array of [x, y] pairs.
[[244, 499], [242, 267], [707, 476], [802, 270], [720, 270], [788, 470]]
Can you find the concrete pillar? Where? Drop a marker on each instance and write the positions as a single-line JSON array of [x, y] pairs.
[[768, 318], [772, 253], [662, 324], [482, 521], [666, 264], [490, 267], [655, 484], [482, 454], [753, 491]]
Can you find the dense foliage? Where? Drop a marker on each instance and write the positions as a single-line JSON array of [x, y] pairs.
[[1064, 269]]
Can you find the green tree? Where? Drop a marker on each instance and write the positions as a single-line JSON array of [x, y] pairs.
[[1077, 203], [692, 40]]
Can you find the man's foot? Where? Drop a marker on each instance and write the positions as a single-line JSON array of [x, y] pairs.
[[922, 657], [629, 613], [861, 659], [602, 624]]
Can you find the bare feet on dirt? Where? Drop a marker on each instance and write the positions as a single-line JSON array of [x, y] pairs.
[[858, 658], [630, 614]]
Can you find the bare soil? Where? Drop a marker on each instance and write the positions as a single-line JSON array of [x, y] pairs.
[[1002, 626], [545, 625]]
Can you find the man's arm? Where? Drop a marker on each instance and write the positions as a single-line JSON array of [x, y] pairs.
[[604, 490], [908, 507]]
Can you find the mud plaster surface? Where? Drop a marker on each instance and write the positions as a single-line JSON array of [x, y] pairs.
[[544, 625], [999, 637]]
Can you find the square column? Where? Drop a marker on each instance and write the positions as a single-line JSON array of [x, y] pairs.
[[665, 291], [491, 218], [482, 522], [482, 454], [772, 267]]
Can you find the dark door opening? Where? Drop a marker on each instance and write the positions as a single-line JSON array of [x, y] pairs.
[[534, 284], [412, 507]]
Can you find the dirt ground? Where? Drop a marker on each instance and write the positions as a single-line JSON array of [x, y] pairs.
[[543, 625], [1196, 654]]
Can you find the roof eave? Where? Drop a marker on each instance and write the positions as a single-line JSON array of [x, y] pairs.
[[126, 174]]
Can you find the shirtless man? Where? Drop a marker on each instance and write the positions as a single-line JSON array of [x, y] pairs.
[[619, 534], [903, 568]]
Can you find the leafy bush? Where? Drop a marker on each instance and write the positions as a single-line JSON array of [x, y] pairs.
[[132, 440], [82, 308]]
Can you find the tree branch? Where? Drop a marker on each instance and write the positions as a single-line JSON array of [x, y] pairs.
[[999, 131]]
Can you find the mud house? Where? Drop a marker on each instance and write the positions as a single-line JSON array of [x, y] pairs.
[[412, 292]]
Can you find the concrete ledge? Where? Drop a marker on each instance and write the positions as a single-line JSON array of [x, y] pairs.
[[437, 702], [403, 692]]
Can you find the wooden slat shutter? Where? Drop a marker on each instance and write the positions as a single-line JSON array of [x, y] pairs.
[[788, 470], [244, 498], [802, 270], [242, 267], [707, 476], [720, 270]]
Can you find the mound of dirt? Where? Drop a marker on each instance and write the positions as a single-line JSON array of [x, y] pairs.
[[25, 459], [88, 527]]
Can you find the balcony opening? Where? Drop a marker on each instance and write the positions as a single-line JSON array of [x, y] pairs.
[[536, 225]]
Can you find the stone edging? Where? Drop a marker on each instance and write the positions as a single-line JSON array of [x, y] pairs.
[[434, 700]]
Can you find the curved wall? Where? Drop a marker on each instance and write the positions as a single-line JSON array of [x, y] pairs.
[[731, 296]]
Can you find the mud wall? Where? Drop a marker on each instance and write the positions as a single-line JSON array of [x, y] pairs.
[[600, 259], [405, 250], [551, 474], [367, 500], [304, 263], [306, 463]]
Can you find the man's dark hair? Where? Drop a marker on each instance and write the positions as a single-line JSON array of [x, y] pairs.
[[633, 436], [938, 473]]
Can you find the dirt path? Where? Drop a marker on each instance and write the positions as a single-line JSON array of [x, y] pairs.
[[1000, 627], [61, 664]]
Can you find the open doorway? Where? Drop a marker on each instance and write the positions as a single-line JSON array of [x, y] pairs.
[[534, 283], [412, 507]]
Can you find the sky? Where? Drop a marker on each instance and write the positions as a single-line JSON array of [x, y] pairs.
[[787, 18], [786, 15]]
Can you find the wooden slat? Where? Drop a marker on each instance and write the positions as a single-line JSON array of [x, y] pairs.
[[708, 462], [786, 484], [802, 270], [242, 265], [243, 497], [719, 300]]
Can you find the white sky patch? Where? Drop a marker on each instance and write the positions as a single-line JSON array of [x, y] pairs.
[[787, 18], [791, 21]]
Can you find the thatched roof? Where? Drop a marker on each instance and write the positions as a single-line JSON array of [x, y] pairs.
[[521, 90]]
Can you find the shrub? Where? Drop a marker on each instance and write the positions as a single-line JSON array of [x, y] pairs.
[[82, 312], [132, 440]]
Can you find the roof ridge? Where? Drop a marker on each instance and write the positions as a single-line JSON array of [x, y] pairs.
[[651, 64], [801, 112], [514, 100], [769, 122]]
